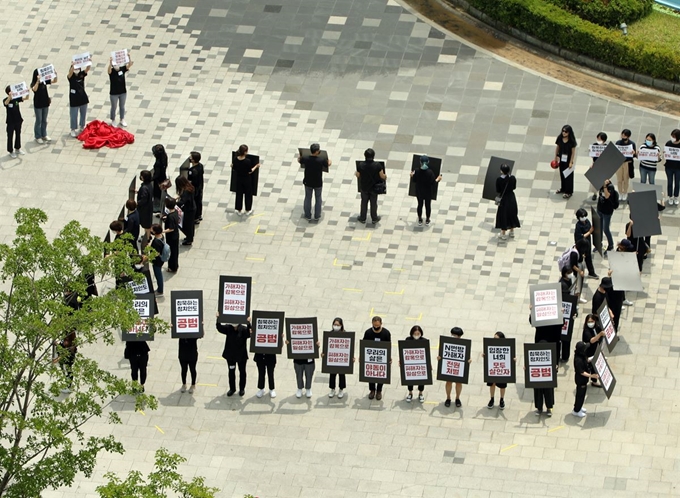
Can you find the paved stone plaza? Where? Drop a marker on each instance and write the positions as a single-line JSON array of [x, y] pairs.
[[353, 74]]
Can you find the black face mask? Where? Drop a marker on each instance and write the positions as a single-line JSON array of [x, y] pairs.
[[376, 328]]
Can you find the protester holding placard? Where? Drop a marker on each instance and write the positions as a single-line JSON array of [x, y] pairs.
[[338, 326], [160, 174], [157, 244], [195, 176], [379, 334], [187, 203], [672, 167], [313, 181], [607, 202], [425, 180], [117, 89], [565, 155], [506, 215], [415, 334], [188, 357], [581, 376], [137, 352], [235, 352], [304, 373], [370, 173], [627, 169], [67, 357], [457, 333], [145, 202], [78, 98], [592, 336], [13, 122], [650, 155], [171, 231], [543, 395], [493, 385], [598, 146], [266, 363], [583, 230], [244, 185], [41, 106]]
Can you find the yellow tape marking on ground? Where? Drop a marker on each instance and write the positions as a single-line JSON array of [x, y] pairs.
[[373, 313], [257, 232], [349, 289], [207, 385], [228, 226], [363, 239], [509, 448], [159, 429], [556, 428], [257, 215], [343, 265], [214, 357], [140, 411], [249, 258], [416, 318], [431, 402], [390, 293]]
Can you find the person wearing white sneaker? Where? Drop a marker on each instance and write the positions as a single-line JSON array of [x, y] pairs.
[[415, 334], [117, 90], [265, 364], [235, 352], [304, 368], [581, 377], [298, 394], [13, 121], [244, 169], [338, 326], [41, 106], [259, 393], [78, 99], [672, 167]]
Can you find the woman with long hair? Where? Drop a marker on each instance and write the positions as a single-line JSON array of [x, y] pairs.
[[565, 155], [187, 203]]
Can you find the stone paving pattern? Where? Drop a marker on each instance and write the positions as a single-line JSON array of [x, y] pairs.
[[353, 74]]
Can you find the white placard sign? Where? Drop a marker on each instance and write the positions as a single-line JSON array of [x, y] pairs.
[[672, 153], [339, 352], [81, 61], [47, 73], [234, 298], [120, 57], [302, 338], [651, 155], [19, 90], [596, 149], [187, 315], [626, 150]]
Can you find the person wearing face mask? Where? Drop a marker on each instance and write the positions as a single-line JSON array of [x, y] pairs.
[[565, 155], [117, 90], [648, 166], [425, 180], [493, 386], [456, 332], [415, 334], [41, 104], [145, 202], [576, 263], [601, 140], [506, 215], [673, 170], [592, 336], [78, 99], [607, 202], [338, 326], [583, 229], [581, 376], [379, 334], [627, 169]]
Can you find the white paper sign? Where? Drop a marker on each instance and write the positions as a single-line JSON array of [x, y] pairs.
[[499, 364], [339, 354], [626, 150], [596, 150], [540, 365], [608, 325], [141, 287], [302, 338], [415, 364], [18, 91], [120, 57], [651, 155], [267, 332], [672, 153], [546, 305], [47, 73], [187, 315], [605, 374], [82, 60], [234, 298], [375, 363]]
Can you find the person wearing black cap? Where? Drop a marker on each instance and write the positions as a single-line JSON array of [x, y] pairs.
[[600, 295], [313, 181], [506, 215], [425, 180], [583, 229], [581, 376], [457, 333], [369, 173]]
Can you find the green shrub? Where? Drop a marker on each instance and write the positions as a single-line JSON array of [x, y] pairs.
[[558, 27], [608, 13]]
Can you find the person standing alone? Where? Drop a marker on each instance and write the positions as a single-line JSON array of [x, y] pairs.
[[313, 181], [13, 121], [369, 173], [117, 90]]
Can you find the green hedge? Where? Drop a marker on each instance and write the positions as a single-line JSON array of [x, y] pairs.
[[555, 26], [608, 13]]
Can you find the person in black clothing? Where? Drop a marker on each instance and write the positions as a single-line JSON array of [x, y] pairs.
[[592, 336], [67, 356], [567, 280], [132, 221], [118, 228], [313, 181], [145, 202], [583, 229], [244, 183], [235, 352], [425, 180], [41, 105], [548, 333], [544, 395], [160, 174], [265, 363], [416, 333], [338, 326], [565, 154], [501, 386], [138, 354], [195, 176], [627, 169], [633, 244], [600, 295], [602, 141], [171, 231], [369, 174], [186, 202], [117, 90], [672, 168], [581, 376], [157, 244], [576, 263], [506, 215], [456, 332], [607, 202], [615, 300], [13, 122], [188, 357], [380, 334], [78, 98]]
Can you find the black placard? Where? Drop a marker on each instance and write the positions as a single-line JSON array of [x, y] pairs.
[[374, 361], [492, 173], [454, 365], [597, 230], [142, 331], [606, 166], [499, 364], [644, 212], [184, 169], [381, 163], [234, 303], [302, 334], [338, 353], [415, 364], [187, 314], [569, 304], [267, 332], [254, 177], [305, 153], [611, 337], [435, 164], [132, 189], [540, 362], [602, 368]]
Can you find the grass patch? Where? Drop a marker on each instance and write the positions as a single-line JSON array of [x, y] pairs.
[[660, 28]]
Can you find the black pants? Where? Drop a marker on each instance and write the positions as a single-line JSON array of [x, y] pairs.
[[375, 387], [566, 184], [173, 262], [244, 188], [188, 227], [241, 375], [565, 345], [66, 365], [157, 208], [546, 395], [365, 198], [269, 368], [428, 207], [138, 368], [13, 130], [580, 397], [420, 388], [588, 257], [343, 381], [188, 365], [198, 199]]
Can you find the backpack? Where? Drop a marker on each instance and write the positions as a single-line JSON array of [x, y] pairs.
[[165, 253], [615, 198], [563, 261]]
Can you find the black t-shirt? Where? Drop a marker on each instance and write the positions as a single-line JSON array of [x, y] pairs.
[[566, 149], [242, 167], [117, 80], [41, 99], [172, 223], [580, 366], [607, 206], [670, 163], [598, 299], [630, 142], [588, 334], [369, 172], [424, 180], [158, 244], [195, 175], [76, 93], [313, 171], [13, 112], [383, 336]]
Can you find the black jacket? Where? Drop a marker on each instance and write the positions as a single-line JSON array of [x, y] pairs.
[[235, 349], [145, 204], [188, 350]]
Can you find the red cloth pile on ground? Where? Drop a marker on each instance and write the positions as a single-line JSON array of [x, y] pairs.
[[98, 134]]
